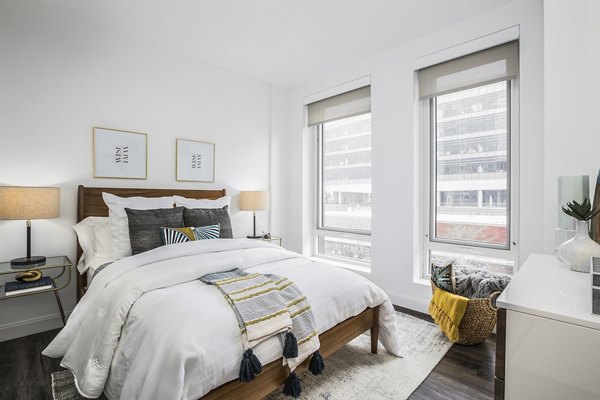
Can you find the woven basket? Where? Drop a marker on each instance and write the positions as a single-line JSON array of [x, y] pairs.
[[479, 319]]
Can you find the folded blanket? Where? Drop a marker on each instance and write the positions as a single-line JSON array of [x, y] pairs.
[[260, 310], [265, 306], [447, 310], [304, 327], [475, 283]]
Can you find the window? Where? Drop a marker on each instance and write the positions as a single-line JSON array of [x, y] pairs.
[[470, 169], [343, 212]]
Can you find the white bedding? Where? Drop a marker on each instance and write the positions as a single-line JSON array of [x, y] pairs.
[[148, 328], [96, 267]]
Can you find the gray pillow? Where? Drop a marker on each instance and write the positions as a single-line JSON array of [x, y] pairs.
[[209, 216], [144, 226]]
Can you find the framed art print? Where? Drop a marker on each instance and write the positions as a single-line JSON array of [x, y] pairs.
[[120, 154], [195, 161]]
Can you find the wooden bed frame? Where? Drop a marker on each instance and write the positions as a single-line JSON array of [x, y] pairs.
[[90, 203]]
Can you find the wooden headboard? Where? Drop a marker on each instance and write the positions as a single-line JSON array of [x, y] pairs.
[[90, 204]]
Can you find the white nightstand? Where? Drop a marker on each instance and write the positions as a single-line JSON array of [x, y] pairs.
[[273, 239]]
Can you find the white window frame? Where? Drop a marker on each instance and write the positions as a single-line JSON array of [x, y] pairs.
[[319, 230], [428, 195]]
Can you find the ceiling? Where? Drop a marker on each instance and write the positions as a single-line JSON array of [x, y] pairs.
[[285, 42]]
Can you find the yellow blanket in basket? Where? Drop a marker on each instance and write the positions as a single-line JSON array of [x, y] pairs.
[[447, 310]]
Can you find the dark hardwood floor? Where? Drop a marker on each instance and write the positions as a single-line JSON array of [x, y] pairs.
[[465, 372], [24, 372]]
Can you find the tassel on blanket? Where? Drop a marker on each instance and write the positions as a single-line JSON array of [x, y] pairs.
[[292, 387], [249, 367], [290, 347], [255, 363], [316, 364]]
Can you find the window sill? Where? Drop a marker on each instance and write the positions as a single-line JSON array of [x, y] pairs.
[[422, 281], [357, 268]]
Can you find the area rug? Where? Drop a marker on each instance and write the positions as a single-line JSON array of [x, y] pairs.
[[352, 372]]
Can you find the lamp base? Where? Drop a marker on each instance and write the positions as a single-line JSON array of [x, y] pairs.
[[26, 262], [253, 237]]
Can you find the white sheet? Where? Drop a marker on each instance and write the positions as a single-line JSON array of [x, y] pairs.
[[147, 328], [97, 265], [89, 273]]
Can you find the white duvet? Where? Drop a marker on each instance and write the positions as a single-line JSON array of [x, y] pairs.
[[147, 328]]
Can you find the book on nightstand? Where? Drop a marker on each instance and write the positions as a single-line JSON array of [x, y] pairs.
[[16, 287]]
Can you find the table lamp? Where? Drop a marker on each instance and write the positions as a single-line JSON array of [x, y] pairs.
[[27, 203], [254, 201]]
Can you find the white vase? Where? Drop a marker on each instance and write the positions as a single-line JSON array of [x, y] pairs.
[[578, 251]]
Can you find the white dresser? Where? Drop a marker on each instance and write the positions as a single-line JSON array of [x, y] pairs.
[[552, 340]]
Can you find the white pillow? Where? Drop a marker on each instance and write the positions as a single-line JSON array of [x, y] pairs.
[[102, 254], [87, 235], [118, 222], [103, 238], [202, 203]]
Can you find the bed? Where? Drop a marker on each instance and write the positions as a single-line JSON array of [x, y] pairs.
[[274, 373]]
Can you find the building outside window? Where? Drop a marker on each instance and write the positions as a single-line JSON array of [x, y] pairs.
[[471, 165], [343, 212], [470, 168]]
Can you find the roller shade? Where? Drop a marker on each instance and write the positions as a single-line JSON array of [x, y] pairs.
[[343, 105], [495, 64]]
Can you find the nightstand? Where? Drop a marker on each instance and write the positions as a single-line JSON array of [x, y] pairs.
[[273, 239], [58, 265]]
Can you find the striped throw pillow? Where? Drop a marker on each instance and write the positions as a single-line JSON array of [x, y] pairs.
[[207, 232], [443, 277], [188, 234]]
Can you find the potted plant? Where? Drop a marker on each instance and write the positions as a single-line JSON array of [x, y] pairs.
[[578, 251]]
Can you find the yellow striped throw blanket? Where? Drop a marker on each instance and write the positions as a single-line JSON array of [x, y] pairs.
[[447, 310], [265, 306]]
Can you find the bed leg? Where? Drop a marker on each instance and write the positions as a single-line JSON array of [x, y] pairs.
[[375, 330]]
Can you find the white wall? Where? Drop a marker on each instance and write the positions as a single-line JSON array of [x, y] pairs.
[[278, 168], [571, 86], [59, 78], [394, 145]]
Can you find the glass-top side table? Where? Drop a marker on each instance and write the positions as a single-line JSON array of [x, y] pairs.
[[54, 267]]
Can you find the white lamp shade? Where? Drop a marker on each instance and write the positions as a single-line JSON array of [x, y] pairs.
[[254, 201], [25, 203]]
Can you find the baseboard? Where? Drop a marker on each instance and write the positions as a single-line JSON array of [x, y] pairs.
[[31, 326], [413, 303]]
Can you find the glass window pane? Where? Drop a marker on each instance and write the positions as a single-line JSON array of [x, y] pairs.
[[471, 142], [352, 249], [346, 174], [471, 261]]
